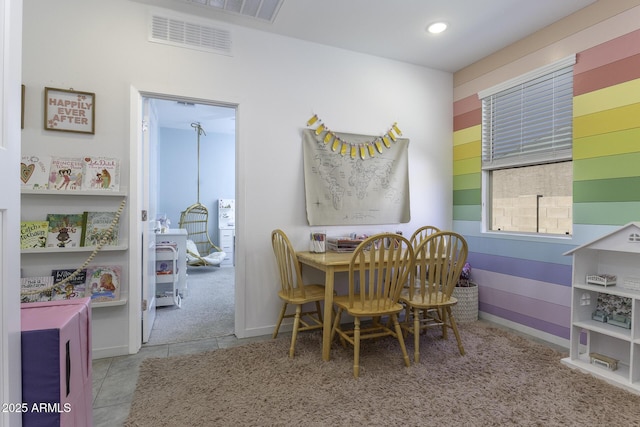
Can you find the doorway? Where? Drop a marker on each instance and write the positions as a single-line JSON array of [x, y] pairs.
[[190, 164]]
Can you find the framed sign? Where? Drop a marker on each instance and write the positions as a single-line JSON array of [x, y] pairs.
[[69, 110]]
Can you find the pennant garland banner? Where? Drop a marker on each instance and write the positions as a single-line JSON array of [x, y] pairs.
[[363, 150]]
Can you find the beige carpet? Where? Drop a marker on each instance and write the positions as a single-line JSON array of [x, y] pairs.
[[503, 380]]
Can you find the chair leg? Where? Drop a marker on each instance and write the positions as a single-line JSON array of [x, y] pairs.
[[405, 356], [454, 326], [319, 311], [356, 347], [284, 309], [416, 335], [336, 324], [294, 335], [444, 313]]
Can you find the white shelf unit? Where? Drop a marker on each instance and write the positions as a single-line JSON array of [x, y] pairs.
[[227, 244], [177, 236], [36, 204], [167, 292], [226, 229], [106, 317], [618, 254]]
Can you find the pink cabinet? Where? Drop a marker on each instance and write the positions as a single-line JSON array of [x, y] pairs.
[[56, 363]]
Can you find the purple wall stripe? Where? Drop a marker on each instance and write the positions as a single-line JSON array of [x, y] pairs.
[[539, 324], [535, 270]]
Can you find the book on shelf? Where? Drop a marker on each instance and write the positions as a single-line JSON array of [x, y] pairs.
[[76, 287], [34, 172], [101, 173], [66, 173], [33, 234], [103, 283], [97, 226], [65, 230], [36, 289]]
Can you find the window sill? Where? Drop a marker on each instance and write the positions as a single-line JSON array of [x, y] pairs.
[[533, 237]]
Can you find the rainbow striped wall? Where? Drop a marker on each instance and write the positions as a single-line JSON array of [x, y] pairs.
[[528, 280]]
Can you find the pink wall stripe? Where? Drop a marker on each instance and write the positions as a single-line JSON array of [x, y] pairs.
[[621, 71], [463, 121], [466, 104], [608, 52]]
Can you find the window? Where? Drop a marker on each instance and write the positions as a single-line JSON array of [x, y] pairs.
[[527, 134]]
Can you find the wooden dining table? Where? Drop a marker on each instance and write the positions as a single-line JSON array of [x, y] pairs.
[[330, 263]]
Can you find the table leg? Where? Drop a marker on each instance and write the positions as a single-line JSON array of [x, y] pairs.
[[328, 318]]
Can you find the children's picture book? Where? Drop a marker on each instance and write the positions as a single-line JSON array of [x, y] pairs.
[[76, 287], [34, 172], [65, 230], [103, 283], [101, 173], [33, 234], [66, 173], [36, 289], [96, 227]]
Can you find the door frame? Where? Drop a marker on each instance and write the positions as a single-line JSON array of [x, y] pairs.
[[136, 268]]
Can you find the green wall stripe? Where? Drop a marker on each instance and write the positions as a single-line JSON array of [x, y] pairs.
[[467, 182], [467, 212], [619, 166], [606, 213], [467, 197], [607, 190]]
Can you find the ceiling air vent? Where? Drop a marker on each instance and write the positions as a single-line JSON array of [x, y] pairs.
[[178, 32], [262, 10]]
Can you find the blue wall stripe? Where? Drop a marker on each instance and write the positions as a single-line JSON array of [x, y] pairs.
[[528, 269], [529, 250]]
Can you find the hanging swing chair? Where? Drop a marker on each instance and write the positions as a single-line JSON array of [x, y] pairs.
[[201, 252]]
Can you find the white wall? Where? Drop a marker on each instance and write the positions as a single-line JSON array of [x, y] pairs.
[[277, 83], [178, 179]]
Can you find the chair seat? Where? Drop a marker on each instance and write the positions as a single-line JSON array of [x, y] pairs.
[[359, 310], [437, 300], [312, 293]]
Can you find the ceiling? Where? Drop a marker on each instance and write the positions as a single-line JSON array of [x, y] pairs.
[[396, 29]]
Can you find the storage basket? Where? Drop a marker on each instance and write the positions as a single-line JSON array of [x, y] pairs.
[[466, 310]]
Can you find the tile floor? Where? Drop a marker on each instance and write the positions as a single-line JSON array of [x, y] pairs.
[[114, 378]]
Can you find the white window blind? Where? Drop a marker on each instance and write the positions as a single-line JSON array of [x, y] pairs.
[[531, 120]]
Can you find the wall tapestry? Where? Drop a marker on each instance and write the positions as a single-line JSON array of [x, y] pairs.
[[355, 179]]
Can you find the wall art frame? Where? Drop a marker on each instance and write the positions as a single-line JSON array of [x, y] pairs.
[[69, 110]]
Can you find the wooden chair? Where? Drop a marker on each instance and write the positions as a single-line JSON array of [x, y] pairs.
[[438, 261], [416, 238], [422, 233], [377, 273], [293, 291]]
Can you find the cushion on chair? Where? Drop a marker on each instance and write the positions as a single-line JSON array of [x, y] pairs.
[[194, 257]]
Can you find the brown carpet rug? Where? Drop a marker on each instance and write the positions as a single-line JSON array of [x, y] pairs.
[[504, 379]]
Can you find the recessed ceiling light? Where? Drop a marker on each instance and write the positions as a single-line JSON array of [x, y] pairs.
[[437, 27]]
